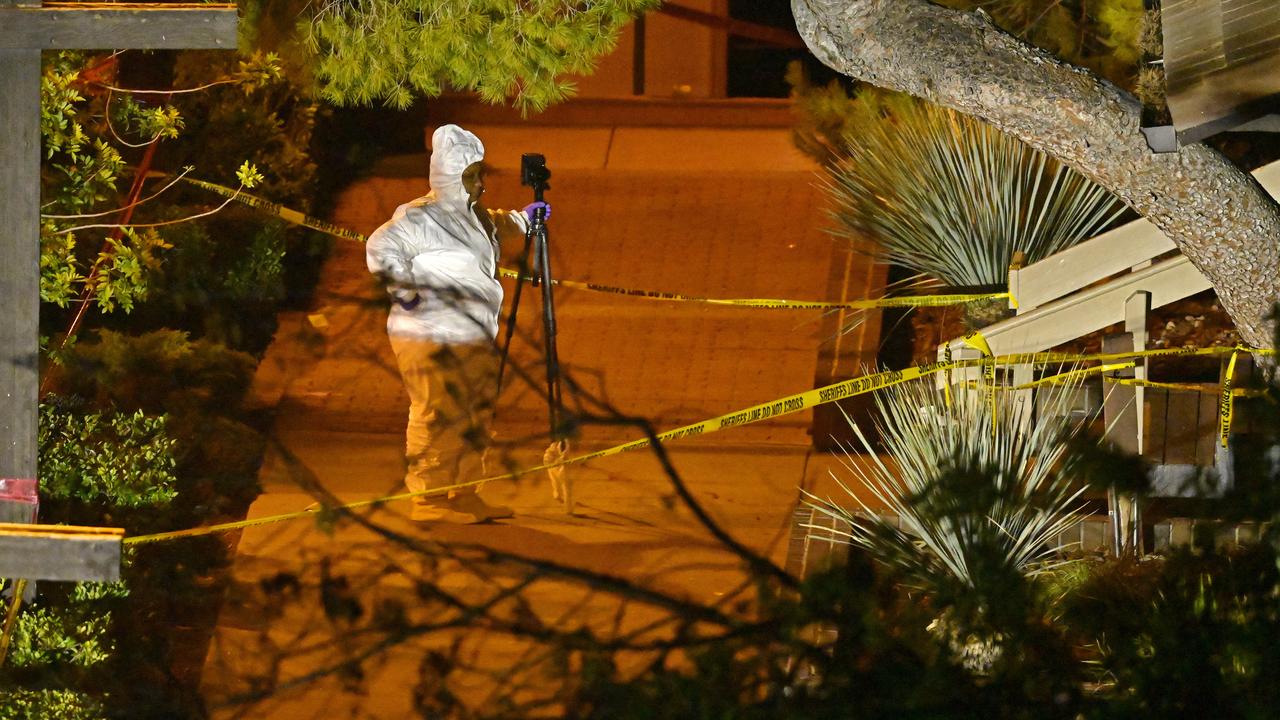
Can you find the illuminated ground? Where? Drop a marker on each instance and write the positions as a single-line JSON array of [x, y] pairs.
[[647, 224]]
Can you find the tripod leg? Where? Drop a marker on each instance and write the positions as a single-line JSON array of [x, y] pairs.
[[549, 332], [515, 307]]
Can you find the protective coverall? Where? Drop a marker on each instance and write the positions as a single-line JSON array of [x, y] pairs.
[[439, 259]]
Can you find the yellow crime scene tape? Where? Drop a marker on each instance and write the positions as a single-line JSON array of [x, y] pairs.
[[946, 384], [273, 208], [1226, 402], [1049, 357], [1062, 377], [747, 416], [298, 218], [1077, 373], [1215, 388], [783, 406], [976, 341], [777, 304], [756, 413]]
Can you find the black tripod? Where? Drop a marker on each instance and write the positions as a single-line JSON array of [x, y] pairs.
[[534, 173]]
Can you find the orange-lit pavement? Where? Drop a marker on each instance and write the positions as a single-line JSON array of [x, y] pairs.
[[647, 224]]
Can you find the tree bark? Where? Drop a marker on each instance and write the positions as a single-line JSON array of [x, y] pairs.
[[1217, 214]]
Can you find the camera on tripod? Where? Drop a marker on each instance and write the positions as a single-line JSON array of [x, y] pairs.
[[534, 173], [535, 266]]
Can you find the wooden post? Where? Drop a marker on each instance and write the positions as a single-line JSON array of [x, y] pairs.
[[1136, 309], [19, 275], [1120, 414], [25, 30], [1023, 406]]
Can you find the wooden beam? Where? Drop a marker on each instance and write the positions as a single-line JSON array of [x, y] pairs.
[[1112, 252], [1121, 414], [1077, 267], [19, 268], [1136, 309], [60, 552], [1119, 409], [1093, 309], [107, 27]]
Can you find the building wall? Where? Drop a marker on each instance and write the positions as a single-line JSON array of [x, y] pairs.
[[685, 59], [612, 77], [682, 59]]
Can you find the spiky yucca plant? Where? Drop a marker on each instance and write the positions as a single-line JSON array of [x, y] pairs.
[[976, 500], [979, 503], [951, 197]]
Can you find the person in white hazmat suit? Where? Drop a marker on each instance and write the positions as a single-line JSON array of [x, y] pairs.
[[438, 256]]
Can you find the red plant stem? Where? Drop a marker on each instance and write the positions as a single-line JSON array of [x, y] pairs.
[[126, 214]]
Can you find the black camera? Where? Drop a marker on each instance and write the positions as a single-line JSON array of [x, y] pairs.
[[534, 173]]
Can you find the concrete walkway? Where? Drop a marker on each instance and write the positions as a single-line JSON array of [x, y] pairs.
[[737, 231]]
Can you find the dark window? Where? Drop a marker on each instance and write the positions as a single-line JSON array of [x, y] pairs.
[[758, 69]]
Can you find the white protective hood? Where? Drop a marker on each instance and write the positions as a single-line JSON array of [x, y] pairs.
[[453, 150], [438, 260]]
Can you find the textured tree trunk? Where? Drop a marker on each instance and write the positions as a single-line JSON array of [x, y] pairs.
[[1217, 214]]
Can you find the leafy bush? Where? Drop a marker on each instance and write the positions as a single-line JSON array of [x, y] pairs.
[[230, 273], [119, 459], [200, 387], [105, 650], [80, 174], [96, 467], [221, 280], [71, 636], [150, 434], [1187, 635], [225, 274], [49, 704], [159, 371], [969, 509]]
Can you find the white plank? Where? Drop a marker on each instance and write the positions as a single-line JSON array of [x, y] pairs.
[[1092, 309], [1110, 253]]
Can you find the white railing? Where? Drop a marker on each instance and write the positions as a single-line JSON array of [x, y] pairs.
[[1116, 277], [1062, 297]]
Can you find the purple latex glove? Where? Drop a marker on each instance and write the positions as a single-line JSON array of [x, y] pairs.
[[531, 208], [404, 297]]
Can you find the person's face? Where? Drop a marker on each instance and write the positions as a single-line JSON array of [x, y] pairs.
[[473, 182]]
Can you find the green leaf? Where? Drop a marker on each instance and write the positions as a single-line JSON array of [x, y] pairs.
[[248, 174]]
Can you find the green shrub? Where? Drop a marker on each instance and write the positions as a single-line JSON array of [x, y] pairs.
[[49, 704], [199, 386], [975, 498], [63, 661], [74, 635], [113, 459], [225, 275], [158, 372]]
